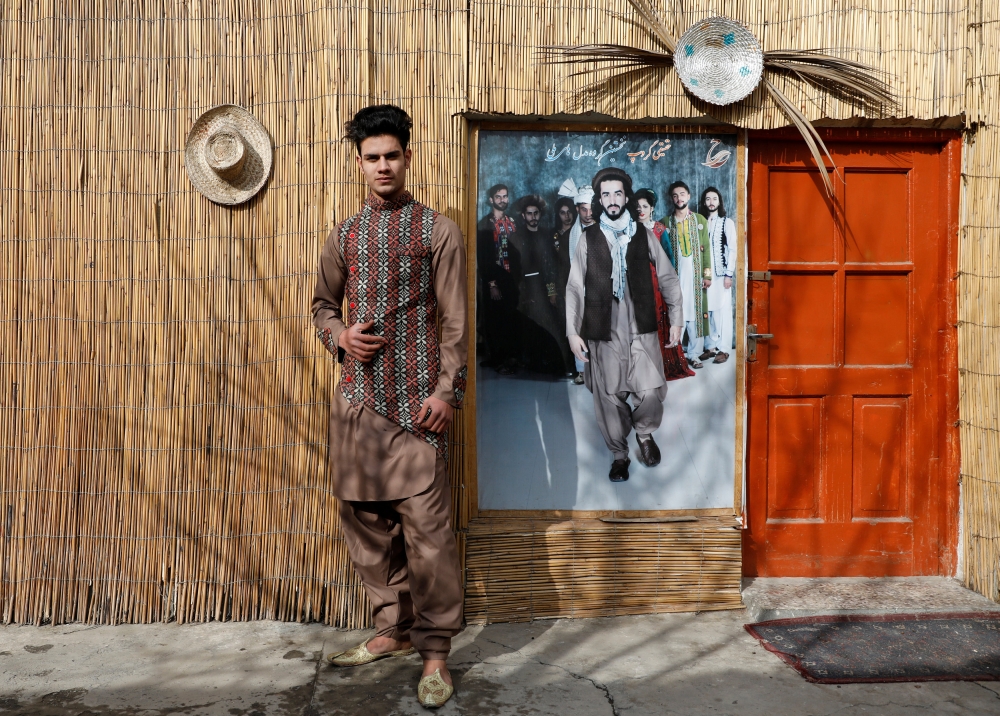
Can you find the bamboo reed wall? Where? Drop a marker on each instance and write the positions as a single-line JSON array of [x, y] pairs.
[[522, 569], [162, 397], [979, 305]]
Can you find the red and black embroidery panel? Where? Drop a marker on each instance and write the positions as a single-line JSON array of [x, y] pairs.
[[387, 248]]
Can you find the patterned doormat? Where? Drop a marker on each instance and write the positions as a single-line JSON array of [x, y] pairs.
[[892, 647]]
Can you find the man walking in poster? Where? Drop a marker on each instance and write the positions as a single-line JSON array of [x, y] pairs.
[[401, 267], [611, 321]]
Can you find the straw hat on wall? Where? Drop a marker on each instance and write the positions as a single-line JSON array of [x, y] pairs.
[[228, 154]]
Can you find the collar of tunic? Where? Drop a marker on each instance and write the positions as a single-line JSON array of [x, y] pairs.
[[377, 203]]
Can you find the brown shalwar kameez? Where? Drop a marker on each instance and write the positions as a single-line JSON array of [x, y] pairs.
[[395, 500], [630, 365]]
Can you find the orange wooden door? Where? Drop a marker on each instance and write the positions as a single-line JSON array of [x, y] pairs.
[[852, 462]]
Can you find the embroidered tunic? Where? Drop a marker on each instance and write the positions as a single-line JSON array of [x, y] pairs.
[[401, 265], [722, 234], [687, 244]]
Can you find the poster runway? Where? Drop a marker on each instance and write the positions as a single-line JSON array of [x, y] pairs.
[[540, 447]]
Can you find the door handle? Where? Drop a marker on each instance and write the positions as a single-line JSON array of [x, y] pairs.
[[752, 338]]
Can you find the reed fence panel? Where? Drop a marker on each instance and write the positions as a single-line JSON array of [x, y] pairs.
[[979, 306], [164, 402]]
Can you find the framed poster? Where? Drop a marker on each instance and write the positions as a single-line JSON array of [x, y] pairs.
[[609, 269]]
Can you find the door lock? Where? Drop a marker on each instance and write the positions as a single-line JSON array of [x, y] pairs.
[[752, 338]]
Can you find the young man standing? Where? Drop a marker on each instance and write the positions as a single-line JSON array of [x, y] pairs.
[[611, 322], [400, 265], [499, 265], [584, 220], [539, 330], [691, 255], [584, 217], [722, 236]]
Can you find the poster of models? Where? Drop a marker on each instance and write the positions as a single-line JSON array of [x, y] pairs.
[[606, 267]]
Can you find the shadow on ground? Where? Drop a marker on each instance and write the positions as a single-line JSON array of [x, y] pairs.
[[696, 664]]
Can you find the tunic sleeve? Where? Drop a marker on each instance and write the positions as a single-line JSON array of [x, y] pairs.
[[486, 252], [730, 247], [448, 260], [574, 290], [670, 285], [328, 297]]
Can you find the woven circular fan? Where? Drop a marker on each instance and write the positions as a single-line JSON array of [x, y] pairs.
[[719, 60]]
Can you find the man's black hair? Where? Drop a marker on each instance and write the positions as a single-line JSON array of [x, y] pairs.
[[676, 185], [522, 204], [648, 195], [713, 190], [612, 174], [379, 120], [495, 188]]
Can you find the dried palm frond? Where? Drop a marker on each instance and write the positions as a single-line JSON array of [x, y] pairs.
[[836, 75], [614, 57], [847, 79], [639, 81], [651, 15], [815, 142]]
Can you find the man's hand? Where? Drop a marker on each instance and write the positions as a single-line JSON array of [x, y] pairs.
[[579, 348], [675, 336], [495, 292], [706, 283], [728, 282], [358, 344], [435, 415]]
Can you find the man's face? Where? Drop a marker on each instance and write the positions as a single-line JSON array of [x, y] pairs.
[[712, 201], [586, 213], [384, 163], [531, 215], [680, 196], [500, 200], [565, 215], [613, 198]]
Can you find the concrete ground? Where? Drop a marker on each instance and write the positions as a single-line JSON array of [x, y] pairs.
[[789, 597], [662, 664]]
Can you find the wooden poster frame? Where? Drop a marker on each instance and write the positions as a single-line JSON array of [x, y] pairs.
[[470, 465]]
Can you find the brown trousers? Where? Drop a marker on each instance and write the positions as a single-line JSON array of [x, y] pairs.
[[405, 553]]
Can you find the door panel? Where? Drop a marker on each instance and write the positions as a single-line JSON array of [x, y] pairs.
[[793, 477], [800, 193], [880, 448], [877, 209], [845, 422], [802, 306], [876, 323]]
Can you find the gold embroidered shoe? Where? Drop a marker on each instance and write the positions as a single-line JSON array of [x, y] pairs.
[[433, 691], [359, 655]]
